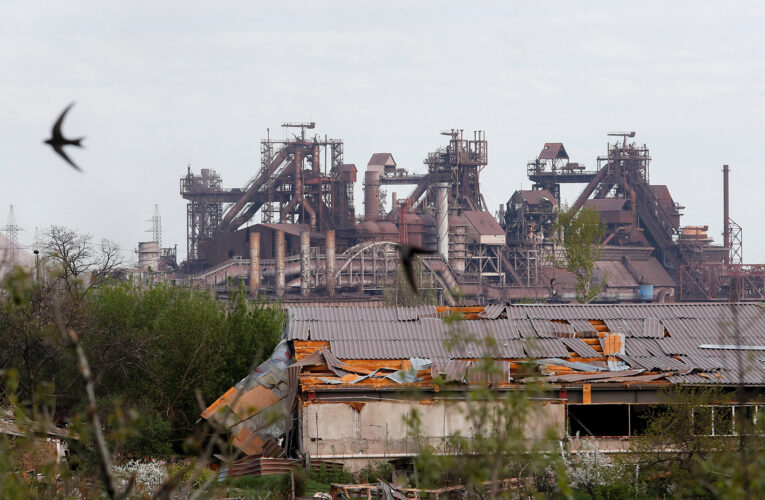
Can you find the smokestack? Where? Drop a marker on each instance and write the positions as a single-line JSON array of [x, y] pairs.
[[330, 265], [254, 263], [316, 159], [372, 195], [442, 219], [305, 262], [726, 213], [280, 250]]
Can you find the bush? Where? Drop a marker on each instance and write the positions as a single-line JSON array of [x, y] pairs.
[[329, 475], [377, 471], [300, 479], [185, 470]]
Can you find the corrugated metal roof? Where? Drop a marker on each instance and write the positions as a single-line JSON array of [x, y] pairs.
[[652, 272], [400, 333], [633, 348], [552, 151], [580, 347], [652, 363], [614, 273], [652, 328], [484, 223], [582, 326], [545, 348], [492, 311]]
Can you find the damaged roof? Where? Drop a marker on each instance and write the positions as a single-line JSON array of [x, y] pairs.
[[667, 339]]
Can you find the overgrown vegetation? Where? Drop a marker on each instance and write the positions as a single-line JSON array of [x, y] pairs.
[[507, 449], [581, 232], [155, 354], [400, 293]]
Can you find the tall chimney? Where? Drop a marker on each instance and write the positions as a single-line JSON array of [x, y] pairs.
[[305, 262], [254, 263], [330, 265], [726, 213], [280, 251], [372, 195], [442, 219]]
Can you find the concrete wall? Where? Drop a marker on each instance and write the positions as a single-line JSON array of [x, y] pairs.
[[359, 433]]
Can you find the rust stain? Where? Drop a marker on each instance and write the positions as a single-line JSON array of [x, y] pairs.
[[586, 394], [356, 405]]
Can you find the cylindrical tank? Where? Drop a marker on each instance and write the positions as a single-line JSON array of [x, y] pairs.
[[371, 195], [148, 255], [330, 262], [254, 263], [280, 251]]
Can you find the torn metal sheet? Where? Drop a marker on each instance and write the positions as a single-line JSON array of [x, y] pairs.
[[581, 347], [576, 365], [616, 364], [733, 347], [252, 410], [594, 377], [492, 311]]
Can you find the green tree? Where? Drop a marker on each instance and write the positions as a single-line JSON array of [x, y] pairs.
[[581, 232]]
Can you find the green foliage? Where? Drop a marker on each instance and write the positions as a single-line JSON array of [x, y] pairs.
[[400, 293], [329, 475], [299, 477], [505, 440], [184, 470], [728, 464], [374, 472], [150, 350], [582, 233]]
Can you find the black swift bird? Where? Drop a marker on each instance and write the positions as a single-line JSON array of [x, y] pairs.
[[407, 256], [58, 141]]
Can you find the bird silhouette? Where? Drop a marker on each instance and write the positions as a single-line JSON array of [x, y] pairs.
[[57, 140], [408, 253]]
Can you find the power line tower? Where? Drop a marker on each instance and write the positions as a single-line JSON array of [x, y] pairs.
[[156, 226], [11, 250]]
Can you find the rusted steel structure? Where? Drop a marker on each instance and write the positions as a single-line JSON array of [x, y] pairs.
[[304, 187]]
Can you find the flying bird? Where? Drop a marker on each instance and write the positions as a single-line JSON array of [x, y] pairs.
[[58, 141], [407, 256]]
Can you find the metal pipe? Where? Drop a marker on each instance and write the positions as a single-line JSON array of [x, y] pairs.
[[330, 265], [280, 251], [305, 262], [726, 213], [371, 195], [442, 219], [254, 263]]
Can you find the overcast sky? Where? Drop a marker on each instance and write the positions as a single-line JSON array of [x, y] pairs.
[[161, 85]]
